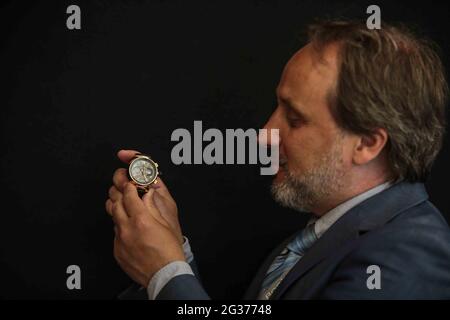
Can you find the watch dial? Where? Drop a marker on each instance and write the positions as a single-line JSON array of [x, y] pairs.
[[143, 171]]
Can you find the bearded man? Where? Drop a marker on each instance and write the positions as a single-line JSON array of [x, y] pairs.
[[361, 119]]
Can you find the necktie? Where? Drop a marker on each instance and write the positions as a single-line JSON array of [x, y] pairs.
[[287, 259]]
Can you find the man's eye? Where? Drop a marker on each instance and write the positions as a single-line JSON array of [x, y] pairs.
[[294, 122]]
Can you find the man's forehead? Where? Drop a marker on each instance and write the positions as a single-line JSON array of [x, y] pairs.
[[308, 65], [321, 60]]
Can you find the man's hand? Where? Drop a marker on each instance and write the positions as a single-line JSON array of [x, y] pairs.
[[144, 240], [162, 197]]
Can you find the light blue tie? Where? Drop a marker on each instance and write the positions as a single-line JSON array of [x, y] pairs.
[[287, 259]]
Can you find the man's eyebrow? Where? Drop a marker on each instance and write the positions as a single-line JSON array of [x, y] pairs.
[[287, 102]]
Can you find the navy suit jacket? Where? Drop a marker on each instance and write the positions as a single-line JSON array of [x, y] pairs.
[[398, 230]]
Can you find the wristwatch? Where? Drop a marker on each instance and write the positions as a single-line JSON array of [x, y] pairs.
[[143, 172]]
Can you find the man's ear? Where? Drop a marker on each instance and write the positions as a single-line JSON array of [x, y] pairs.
[[369, 146]]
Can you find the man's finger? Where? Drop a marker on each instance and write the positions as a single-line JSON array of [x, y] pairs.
[[108, 206], [149, 202], [119, 215], [157, 201], [126, 155], [162, 188], [114, 194], [120, 177], [131, 201]]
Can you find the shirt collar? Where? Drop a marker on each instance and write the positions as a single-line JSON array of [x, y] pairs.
[[326, 221]]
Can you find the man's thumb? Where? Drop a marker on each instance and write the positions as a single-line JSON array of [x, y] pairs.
[[149, 202], [126, 155]]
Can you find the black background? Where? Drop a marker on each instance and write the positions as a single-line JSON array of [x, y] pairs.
[[136, 71]]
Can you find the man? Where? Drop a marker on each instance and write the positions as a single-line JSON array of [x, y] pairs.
[[361, 118]]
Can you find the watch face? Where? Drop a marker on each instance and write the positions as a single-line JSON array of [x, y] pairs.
[[143, 171]]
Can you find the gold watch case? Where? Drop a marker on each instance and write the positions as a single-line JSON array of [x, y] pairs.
[[143, 171]]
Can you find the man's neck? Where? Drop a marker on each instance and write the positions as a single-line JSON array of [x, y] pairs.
[[345, 195]]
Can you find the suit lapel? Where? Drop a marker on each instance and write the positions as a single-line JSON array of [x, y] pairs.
[[368, 215]]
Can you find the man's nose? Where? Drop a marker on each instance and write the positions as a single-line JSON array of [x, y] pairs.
[[267, 136]]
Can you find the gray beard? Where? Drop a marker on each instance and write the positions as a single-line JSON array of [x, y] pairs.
[[304, 192]]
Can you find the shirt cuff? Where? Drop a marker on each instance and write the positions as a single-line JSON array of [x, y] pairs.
[[187, 250], [164, 275]]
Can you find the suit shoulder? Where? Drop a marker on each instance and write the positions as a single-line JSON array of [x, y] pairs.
[[421, 225], [412, 251], [420, 231]]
